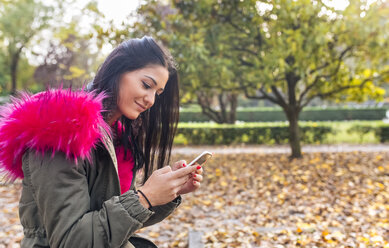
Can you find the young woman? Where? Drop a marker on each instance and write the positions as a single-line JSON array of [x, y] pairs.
[[78, 153]]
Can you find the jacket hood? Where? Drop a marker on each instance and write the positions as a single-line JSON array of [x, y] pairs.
[[55, 120]]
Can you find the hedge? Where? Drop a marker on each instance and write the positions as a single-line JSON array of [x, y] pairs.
[[308, 114], [381, 131], [249, 133]]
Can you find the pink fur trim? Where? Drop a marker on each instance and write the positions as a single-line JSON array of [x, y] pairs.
[[56, 120]]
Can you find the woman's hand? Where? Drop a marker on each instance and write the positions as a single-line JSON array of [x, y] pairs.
[[193, 182], [164, 185]]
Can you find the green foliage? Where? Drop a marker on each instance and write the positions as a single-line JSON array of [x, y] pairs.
[[4, 72], [69, 59], [361, 130], [286, 51], [249, 133], [381, 131], [308, 114], [209, 77], [26, 74], [303, 50], [20, 21]]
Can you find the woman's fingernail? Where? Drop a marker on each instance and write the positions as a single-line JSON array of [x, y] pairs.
[[194, 175], [184, 165], [199, 167]]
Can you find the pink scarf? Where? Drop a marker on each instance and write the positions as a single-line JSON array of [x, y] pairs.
[[125, 168]]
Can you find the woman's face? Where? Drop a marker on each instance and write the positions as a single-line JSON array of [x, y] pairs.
[[138, 89]]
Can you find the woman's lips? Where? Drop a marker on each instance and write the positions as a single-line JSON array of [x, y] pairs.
[[141, 106]]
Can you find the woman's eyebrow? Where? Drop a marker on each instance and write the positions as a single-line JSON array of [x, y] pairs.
[[153, 81]]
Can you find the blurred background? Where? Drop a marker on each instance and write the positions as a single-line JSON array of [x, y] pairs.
[[261, 65]]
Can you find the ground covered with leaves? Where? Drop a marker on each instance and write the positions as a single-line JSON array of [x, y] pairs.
[[250, 200]]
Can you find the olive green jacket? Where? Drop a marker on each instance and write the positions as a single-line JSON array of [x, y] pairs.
[[64, 204], [59, 144]]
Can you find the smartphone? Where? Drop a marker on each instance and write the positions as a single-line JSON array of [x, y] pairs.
[[201, 159]]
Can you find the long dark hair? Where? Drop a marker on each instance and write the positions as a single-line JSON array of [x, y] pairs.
[[151, 134]]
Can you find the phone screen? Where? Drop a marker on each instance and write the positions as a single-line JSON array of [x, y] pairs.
[[201, 159]]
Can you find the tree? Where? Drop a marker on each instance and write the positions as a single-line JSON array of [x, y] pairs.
[[72, 55], [291, 52], [69, 60], [20, 21], [305, 49]]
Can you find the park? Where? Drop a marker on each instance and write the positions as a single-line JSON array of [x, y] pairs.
[[290, 96]]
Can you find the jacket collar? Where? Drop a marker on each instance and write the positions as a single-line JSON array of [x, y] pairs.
[[108, 143], [53, 120]]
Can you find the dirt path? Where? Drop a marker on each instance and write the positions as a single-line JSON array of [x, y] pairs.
[[260, 149]]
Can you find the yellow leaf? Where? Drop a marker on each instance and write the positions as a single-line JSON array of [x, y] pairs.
[[364, 239], [325, 233], [299, 230], [218, 172], [210, 176], [154, 234], [223, 183], [218, 205]]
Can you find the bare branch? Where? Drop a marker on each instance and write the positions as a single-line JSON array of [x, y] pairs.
[[342, 88], [280, 99], [309, 87], [319, 68], [317, 79], [205, 104], [258, 37], [222, 106], [264, 96], [339, 60], [246, 63], [241, 49]]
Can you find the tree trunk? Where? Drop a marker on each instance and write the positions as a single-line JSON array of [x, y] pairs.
[[225, 100], [294, 132], [14, 70], [293, 111], [233, 105]]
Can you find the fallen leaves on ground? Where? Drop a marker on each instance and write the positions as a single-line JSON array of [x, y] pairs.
[[251, 200], [11, 232]]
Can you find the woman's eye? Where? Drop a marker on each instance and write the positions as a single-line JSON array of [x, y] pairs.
[[146, 85]]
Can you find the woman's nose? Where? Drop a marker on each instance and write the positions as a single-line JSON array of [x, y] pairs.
[[149, 99]]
